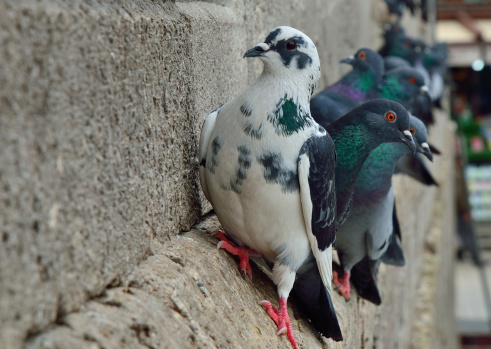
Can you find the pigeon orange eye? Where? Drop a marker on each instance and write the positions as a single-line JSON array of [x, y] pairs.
[[362, 55], [391, 116], [412, 130], [408, 43], [412, 80], [291, 45]]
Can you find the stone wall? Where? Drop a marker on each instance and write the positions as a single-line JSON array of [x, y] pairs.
[[101, 104]]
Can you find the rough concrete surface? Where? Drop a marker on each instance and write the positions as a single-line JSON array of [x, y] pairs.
[[101, 104]]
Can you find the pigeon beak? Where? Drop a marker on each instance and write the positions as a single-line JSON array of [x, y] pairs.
[[348, 60], [407, 139], [259, 50], [434, 150], [424, 89], [425, 150]]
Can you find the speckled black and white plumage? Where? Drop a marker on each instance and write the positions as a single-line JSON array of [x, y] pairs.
[[268, 168]]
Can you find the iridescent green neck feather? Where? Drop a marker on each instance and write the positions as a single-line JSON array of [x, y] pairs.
[[353, 145], [390, 89], [288, 117], [367, 81], [375, 178]]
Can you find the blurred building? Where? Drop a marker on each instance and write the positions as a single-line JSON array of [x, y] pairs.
[[466, 26]]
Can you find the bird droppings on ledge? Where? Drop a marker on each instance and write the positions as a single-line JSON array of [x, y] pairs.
[[202, 288]]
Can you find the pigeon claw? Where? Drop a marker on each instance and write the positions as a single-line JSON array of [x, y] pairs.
[[342, 285], [282, 320], [281, 331], [242, 252]]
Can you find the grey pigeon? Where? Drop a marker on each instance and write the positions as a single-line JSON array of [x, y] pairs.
[[366, 234], [435, 61], [393, 33], [268, 169], [407, 48], [355, 135], [412, 50], [400, 85], [351, 90], [406, 86], [422, 47], [421, 105], [379, 121]]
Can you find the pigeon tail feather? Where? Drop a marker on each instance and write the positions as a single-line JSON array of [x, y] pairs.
[[317, 303], [394, 255], [414, 167], [363, 277]]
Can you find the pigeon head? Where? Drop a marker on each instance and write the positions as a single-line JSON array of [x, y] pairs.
[[402, 84], [288, 53], [357, 134], [387, 121], [431, 59], [435, 56], [366, 60], [420, 136], [408, 48], [409, 78], [392, 31]]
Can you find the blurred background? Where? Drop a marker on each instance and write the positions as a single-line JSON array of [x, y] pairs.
[[465, 25]]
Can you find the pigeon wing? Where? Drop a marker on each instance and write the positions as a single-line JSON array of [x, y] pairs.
[[204, 141], [394, 254], [316, 165]]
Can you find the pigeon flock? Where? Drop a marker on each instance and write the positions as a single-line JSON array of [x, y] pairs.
[[291, 175]]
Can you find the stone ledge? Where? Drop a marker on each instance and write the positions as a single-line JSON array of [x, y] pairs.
[[189, 294]]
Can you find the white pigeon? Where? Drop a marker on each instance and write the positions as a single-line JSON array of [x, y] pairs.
[[268, 169]]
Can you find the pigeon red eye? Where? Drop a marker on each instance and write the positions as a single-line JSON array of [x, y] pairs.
[[362, 55], [412, 80], [412, 130], [390, 116], [408, 43], [291, 45]]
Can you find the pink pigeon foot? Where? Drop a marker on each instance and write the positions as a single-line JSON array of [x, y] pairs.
[[281, 318], [242, 252], [342, 285]]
